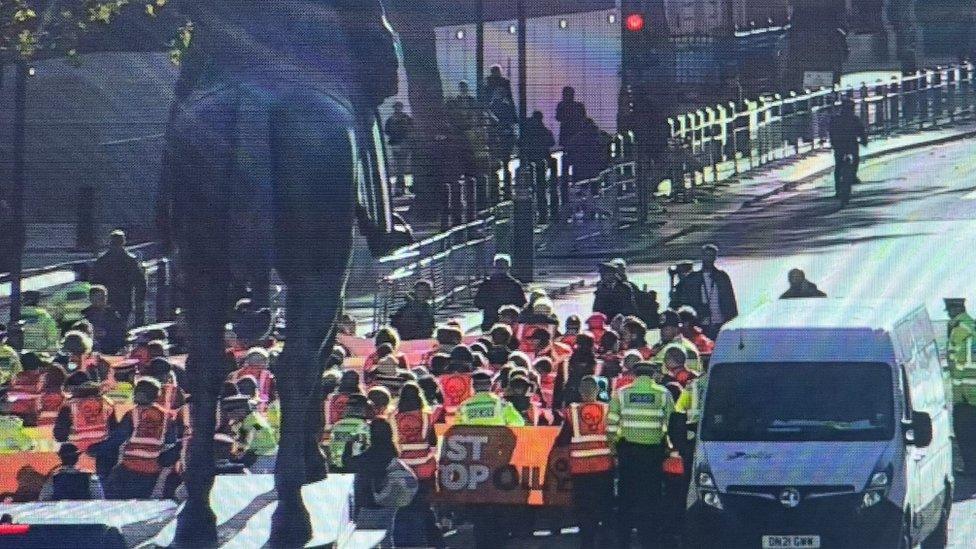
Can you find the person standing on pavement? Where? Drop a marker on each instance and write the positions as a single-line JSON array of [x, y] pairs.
[[496, 85], [962, 371], [535, 145], [709, 291], [800, 287], [590, 463], [415, 320], [398, 128], [614, 295], [119, 271], [570, 114], [499, 289], [637, 423], [846, 132]]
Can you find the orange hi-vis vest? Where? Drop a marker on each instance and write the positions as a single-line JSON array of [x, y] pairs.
[[264, 380], [89, 420], [50, 406], [413, 440], [547, 386], [25, 392], [589, 449], [456, 388], [335, 406], [141, 452], [623, 380], [167, 398]]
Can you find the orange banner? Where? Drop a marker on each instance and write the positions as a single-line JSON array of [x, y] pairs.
[[502, 465]]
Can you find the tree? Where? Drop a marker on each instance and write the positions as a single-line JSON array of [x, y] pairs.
[[32, 30]]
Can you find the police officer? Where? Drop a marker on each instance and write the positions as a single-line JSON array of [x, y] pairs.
[[13, 437], [9, 362], [671, 336], [487, 408], [40, 330], [68, 303], [351, 433], [638, 425], [962, 371], [590, 461]]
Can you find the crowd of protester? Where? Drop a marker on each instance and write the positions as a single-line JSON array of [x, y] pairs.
[[129, 411]]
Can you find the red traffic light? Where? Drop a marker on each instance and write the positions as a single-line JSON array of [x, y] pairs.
[[634, 22]]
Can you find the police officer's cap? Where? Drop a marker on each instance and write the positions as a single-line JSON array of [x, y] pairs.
[[235, 403], [955, 302], [148, 384], [34, 360], [68, 451], [670, 318], [644, 369]]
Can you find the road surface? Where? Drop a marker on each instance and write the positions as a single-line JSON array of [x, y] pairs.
[[908, 232]]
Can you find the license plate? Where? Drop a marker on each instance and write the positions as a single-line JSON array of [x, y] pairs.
[[781, 542]]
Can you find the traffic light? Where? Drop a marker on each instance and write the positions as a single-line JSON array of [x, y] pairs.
[[634, 22]]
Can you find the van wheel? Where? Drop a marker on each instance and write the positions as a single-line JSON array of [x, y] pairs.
[[939, 537]]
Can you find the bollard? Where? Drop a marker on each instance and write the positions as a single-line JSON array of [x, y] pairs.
[[85, 238]]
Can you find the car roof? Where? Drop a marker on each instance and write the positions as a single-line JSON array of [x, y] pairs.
[[825, 313]]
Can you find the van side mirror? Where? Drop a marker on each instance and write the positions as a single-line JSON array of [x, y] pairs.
[[918, 433]]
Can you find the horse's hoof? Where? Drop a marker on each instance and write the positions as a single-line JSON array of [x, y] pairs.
[[196, 528]]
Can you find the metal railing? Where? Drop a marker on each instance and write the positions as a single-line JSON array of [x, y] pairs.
[[156, 267], [726, 140]]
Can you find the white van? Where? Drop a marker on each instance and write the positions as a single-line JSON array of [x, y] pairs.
[[825, 424]]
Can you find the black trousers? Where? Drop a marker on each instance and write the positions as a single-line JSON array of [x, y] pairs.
[[964, 424], [839, 159], [593, 500], [639, 493]]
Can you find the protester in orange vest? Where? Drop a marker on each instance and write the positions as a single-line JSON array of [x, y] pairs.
[[76, 348], [573, 328], [634, 337], [171, 396], [26, 388], [509, 316], [608, 355], [256, 364], [456, 383], [692, 332], [86, 420], [143, 436], [580, 364], [389, 336], [596, 324], [590, 463], [52, 395], [432, 395], [413, 431], [674, 363], [379, 399], [627, 375]]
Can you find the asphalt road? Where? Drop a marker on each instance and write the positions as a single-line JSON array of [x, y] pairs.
[[908, 232]]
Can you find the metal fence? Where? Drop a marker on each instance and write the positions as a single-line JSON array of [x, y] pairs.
[[157, 269], [728, 139]]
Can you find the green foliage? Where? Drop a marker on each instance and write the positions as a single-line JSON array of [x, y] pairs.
[[41, 29]]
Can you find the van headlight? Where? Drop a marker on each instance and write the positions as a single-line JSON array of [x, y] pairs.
[[876, 489], [708, 491]]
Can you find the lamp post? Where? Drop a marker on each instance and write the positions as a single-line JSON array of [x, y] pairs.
[[523, 246], [479, 53]]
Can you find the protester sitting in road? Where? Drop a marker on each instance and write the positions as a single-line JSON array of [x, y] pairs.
[[800, 287], [691, 331], [68, 483]]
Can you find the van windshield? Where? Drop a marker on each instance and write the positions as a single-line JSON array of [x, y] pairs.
[[799, 401]]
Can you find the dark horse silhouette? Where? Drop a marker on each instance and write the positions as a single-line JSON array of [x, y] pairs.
[[271, 157]]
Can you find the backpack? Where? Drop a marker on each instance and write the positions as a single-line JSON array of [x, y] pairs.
[[400, 487]]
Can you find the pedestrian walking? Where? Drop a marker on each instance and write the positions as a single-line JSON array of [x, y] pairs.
[[570, 114], [108, 330], [800, 287], [614, 295], [498, 290], [119, 271], [709, 291], [535, 146], [496, 85], [398, 128]]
